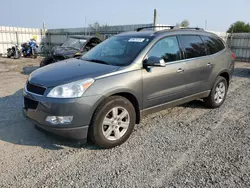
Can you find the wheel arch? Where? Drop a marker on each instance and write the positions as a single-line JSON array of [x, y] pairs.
[[133, 101], [126, 94], [225, 75]]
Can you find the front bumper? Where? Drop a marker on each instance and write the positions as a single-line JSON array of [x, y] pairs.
[[76, 133], [81, 109]]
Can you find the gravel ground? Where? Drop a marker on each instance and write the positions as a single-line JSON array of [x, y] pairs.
[[185, 146]]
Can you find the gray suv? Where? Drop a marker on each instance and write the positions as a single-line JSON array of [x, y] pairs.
[[103, 94]]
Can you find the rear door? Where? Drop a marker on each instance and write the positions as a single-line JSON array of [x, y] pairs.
[[218, 58], [165, 84], [199, 65]]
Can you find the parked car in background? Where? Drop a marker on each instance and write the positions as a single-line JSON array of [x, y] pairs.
[[103, 94], [73, 47]]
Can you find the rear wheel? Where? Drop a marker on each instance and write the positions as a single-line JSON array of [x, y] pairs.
[[34, 53], [17, 55], [112, 123], [218, 93]]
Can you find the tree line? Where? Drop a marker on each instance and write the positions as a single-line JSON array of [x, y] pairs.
[[237, 27]]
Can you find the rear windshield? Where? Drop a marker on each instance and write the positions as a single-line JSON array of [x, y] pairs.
[[117, 50]]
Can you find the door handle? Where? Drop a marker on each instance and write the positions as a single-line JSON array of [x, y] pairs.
[[180, 70], [209, 65]]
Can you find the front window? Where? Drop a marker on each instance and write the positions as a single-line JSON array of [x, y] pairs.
[[118, 50], [74, 43], [166, 49]]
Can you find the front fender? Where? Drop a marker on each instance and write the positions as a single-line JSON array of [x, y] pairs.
[[127, 82]]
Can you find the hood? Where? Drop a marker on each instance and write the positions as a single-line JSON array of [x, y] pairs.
[[64, 51], [67, 71]]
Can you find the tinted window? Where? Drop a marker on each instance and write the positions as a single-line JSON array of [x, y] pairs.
[[167, 49], [213, 45], [192, 46]]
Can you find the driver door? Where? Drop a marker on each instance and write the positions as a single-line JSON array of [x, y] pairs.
[[165, 84]]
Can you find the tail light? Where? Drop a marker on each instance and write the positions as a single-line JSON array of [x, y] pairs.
[[233, 56]]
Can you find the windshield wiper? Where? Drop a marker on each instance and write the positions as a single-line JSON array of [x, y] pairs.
[[97, 61]]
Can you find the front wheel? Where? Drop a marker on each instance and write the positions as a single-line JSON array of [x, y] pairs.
[[9, 53], [112, 123], [218, 93]]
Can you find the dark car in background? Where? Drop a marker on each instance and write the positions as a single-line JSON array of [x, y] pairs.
[[73, 47]]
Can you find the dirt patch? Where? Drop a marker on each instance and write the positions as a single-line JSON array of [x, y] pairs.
[[23, 65]]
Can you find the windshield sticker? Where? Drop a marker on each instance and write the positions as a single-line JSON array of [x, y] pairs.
[[136, 40]]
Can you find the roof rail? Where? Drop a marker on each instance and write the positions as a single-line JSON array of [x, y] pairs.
[[194, 28], [160, 26]]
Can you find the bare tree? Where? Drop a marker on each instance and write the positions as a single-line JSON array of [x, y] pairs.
[[96, 28]]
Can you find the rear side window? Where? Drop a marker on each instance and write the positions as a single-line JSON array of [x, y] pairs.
[[213, 45], [192, 45]]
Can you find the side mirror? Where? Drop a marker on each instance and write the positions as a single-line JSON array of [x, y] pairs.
[[154, 62]]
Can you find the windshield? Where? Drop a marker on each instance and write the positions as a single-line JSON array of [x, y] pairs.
[[74, 43], [117, 50]]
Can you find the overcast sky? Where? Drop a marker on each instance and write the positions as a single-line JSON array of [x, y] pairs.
[[72, 13]]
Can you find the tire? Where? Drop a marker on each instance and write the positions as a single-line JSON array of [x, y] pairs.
[[34, 53], [9, 54], [98, 129], [211, 101], [18, 55], [46, 61], [24, 54]]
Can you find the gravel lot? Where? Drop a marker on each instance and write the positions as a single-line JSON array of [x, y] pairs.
[[185, 146]]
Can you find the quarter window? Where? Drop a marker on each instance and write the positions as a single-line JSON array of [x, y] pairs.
[[167, 49], [193, 46], [213, 45]]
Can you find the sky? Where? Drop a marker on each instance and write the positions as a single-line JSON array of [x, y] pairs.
[[220, 14]]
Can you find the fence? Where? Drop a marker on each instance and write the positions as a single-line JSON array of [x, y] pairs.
[[17, 35], [240, 45], [55, 37], [238, 42]]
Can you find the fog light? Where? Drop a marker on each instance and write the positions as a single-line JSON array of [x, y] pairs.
[[55, 120]]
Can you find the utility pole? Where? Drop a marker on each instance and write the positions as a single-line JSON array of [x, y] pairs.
[[43, 27], [85, 32], [155, 17], [205, 25]]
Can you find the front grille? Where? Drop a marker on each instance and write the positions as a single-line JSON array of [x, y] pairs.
[[35, 89], [30, 104]]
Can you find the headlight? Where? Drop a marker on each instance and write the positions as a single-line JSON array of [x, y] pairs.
[[71, 90]]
